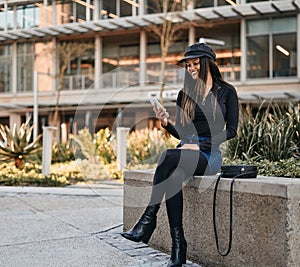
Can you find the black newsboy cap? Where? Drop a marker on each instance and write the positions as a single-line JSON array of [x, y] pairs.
[[198, 50]]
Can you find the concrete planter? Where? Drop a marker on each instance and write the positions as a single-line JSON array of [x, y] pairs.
[[266, 219]]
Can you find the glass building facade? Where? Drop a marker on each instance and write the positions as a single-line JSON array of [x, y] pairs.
[[87, 50]]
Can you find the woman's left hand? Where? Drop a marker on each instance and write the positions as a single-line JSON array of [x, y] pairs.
[[162, 115]]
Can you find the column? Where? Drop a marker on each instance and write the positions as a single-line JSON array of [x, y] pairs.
[[47, 149], [5, 17], [244, 51], [192, 35], [96, 10], [98, 62], [45, 22], [54, 14], [143, 57], [122, 133], [55, 63], [14, 68], [142, 7]]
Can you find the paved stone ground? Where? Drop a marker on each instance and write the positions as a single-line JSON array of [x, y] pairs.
[[73, 226], [150, 257]]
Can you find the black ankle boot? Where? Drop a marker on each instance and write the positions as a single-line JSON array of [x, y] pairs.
[[178, 255], [144, 228]]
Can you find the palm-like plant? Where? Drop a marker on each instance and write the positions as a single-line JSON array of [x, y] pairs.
[[16, 144]]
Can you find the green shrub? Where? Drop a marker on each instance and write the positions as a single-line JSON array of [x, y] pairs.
[[31, 174], [84, 145], [271, 134], [64, 152], [105, 142], [145, 146], [282, 168], [294, 111]]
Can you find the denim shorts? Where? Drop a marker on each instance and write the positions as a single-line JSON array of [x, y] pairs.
[[213, 156]]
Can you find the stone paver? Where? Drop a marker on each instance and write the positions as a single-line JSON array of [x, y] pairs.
[[150, 257]]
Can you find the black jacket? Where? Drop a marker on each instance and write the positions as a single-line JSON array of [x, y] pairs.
[[215, 130]]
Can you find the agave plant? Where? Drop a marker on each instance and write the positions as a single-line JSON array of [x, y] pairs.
[[16, 144]]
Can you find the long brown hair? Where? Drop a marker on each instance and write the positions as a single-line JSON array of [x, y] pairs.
[[194, 90]]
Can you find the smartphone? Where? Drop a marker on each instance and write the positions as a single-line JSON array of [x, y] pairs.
[[158, 105], [154, 101]]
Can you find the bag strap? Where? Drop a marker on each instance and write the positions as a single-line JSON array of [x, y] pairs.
[[230, 216], [230, 211]]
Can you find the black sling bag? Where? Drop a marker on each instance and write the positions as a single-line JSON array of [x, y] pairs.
[[234, 172]]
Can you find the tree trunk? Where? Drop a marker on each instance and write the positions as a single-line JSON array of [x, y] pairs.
[[162, 80], [164, 53], [19, 162], [60, 86]]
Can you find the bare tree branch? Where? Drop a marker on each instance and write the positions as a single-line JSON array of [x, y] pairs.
[[67, 52], [168, 31]]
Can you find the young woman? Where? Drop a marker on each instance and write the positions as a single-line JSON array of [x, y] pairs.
[[206, 116]]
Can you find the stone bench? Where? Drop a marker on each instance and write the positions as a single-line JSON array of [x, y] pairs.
[[266, 219]]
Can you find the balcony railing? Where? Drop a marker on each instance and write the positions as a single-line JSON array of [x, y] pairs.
[[120, 78], [78, 82]]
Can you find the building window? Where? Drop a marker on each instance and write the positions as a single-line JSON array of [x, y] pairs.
[[128, 8], [173, 74], [25, 16], [284, 55], [120, 60], [25, 63], [28, 16], [77, 65], [119, 8], [2, 18], [6, 18], [272, 48], [154, 6], [74, 11], [225, 40], [83, 10], [212, 3], [227, 2], [5, 68], [64, 12], [109, 9], [203, 3]]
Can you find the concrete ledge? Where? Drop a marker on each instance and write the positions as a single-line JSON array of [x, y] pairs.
[[266, 219]]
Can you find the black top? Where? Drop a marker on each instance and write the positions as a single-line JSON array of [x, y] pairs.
[[215, 131]]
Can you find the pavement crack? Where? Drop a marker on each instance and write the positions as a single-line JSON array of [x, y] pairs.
[[108, 229], [44, 240]]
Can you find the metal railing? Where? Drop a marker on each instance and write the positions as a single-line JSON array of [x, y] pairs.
[[78, 82], [120, 79], [123, 78]]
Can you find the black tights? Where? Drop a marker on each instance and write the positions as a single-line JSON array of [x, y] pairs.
[[174, 167]]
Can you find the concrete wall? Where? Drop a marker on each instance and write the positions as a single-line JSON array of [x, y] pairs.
[[266, 219]]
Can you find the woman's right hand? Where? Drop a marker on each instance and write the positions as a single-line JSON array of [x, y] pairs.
[[162, 115]]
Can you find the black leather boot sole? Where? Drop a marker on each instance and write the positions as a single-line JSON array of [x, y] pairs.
[[140, 232], [145, 227]]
